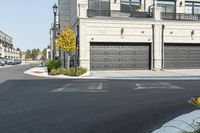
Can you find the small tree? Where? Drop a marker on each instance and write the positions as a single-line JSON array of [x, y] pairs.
[[20, 53], [67, 40], [44, 52], [35, 53], [28, 54]]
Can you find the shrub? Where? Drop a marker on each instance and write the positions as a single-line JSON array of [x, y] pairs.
[[50, 64], [195, 101], [81, 71], [74, 71], [56, 72], [69, 71]]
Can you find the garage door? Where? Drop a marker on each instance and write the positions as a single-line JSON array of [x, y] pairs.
[[182, 56], [113, 56]]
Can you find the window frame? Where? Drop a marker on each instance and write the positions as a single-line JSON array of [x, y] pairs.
[[99, 5], [165, 5], [140, 2], [193, 6]]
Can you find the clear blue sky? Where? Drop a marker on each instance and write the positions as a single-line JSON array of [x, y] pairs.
[[27, 22]]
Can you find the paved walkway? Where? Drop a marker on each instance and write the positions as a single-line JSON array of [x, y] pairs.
[[136, 74]]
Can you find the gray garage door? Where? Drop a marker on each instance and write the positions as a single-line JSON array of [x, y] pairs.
[[121, 56], [182, 56]]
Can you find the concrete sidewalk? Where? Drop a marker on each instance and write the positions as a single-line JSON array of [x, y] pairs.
[[135, 74], [146, 73]]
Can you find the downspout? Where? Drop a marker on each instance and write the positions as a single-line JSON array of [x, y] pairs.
[[152, 49], [145, 5], [130, 7], [163, 63]]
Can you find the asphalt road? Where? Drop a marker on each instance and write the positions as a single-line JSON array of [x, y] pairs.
[[37, 105]]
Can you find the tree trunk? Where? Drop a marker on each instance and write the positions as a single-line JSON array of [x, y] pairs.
[[68, 60]]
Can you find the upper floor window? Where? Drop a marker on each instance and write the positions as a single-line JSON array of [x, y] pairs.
[[167, 6], [192, 7], [130, 5], [98, 7], [99, 4]]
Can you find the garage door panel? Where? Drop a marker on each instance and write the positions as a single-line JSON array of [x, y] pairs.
[[120, 56], [127, 59], [99, 59], [127, 52], [113, 59], [113, 66], [141, 65], [127, 66], [194, 65], [99, 52], [112, 52], [183, 56]]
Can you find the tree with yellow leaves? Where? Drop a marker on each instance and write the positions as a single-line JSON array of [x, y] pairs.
[[67, 40]]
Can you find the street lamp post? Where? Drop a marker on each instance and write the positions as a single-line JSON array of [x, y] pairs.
[[55, 9]]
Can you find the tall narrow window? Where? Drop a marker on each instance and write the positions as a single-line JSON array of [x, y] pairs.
[[196, 8], [192, 7], [188, 8], [130, 5], [99, 7], [167, 6]]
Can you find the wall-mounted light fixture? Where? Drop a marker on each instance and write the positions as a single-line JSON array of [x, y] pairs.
[[122, 31], [192, 32], [181, 3], [171, 32], [142, 32]]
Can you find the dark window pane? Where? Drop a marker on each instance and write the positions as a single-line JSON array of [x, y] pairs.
[[192, 7], [98, 7], [126, 5], [99, 4], [167, 6]]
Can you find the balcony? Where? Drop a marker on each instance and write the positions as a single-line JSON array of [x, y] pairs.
[[138, 14], [115, 13], [180, 16]]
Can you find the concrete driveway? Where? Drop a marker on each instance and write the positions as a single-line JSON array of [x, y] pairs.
[[147, 73]]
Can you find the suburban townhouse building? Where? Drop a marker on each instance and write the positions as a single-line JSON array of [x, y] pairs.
[[6, 47], [135, 34]]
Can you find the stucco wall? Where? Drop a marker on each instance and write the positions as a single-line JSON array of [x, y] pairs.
[[135, 30]]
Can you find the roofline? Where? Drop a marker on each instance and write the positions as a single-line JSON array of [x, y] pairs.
[[6, 34]]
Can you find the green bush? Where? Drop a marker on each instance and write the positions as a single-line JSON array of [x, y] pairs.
[[75, 71], [81, 71], [56, 72], [69, 71], [50, 64]]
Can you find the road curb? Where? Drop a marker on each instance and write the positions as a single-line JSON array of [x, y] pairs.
[[86, 76]]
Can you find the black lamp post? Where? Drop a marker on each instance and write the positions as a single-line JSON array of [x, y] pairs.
[[55, 10]]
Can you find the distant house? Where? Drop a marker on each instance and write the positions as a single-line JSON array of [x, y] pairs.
[[7, 49]]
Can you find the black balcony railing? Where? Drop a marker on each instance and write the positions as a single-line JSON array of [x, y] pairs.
[[138, 14], [114, 13], [180, 16], [94, 12], [142, 14]]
